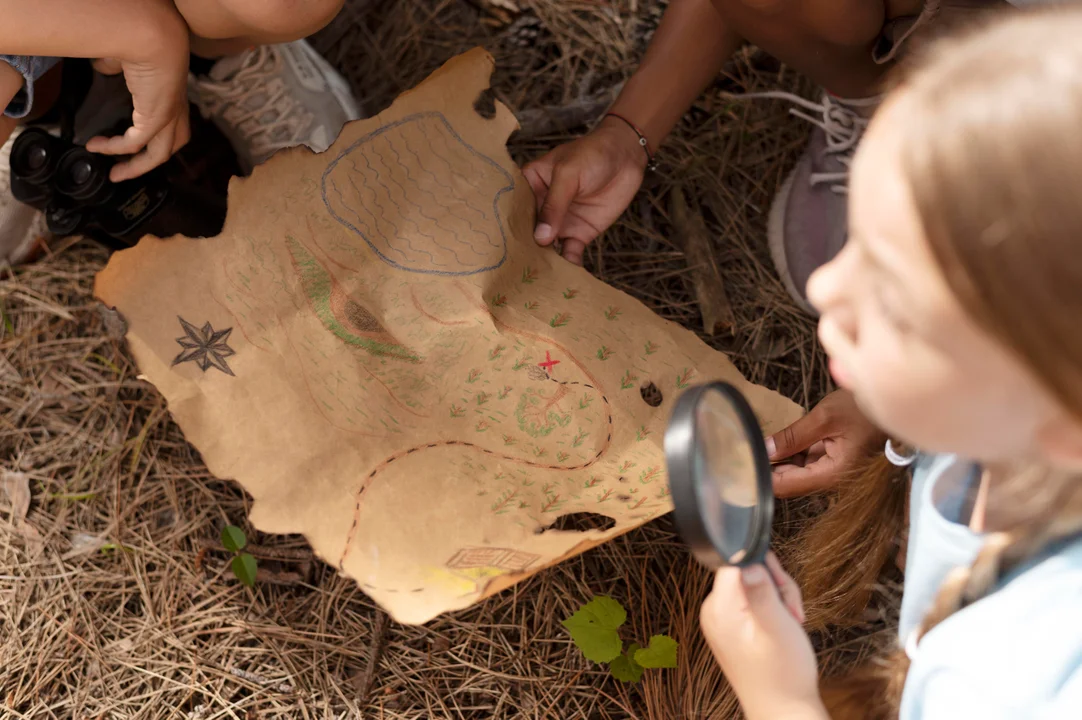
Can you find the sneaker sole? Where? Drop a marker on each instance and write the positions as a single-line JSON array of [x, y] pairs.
[[775, 234]]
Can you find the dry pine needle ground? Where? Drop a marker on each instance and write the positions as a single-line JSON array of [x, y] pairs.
[[115, 601]]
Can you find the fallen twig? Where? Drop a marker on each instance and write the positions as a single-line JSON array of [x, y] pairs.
[[283, 687], [709, 286], [554, 119], [364, 680]]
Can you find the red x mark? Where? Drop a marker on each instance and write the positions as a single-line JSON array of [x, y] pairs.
[[549, 363]]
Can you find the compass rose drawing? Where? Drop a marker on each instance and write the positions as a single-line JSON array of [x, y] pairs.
[[205, 346]]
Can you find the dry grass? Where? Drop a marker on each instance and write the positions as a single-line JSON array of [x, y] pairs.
[[123, 612]]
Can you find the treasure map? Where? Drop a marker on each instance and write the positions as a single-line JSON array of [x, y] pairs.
[[379, 353]]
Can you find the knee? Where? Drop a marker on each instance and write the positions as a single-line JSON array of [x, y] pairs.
[[282, 20]]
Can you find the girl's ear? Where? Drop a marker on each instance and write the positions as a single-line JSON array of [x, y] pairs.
[[1060, 441]]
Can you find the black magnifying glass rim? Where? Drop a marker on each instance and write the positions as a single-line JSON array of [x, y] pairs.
[[682, 439]]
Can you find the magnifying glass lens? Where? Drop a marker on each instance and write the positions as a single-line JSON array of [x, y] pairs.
[[719, 475], [726, 476]]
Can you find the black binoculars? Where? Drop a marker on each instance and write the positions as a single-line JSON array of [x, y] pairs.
[[71, 186]]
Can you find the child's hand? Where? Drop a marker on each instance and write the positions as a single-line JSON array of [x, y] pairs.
[[829, 441], [755, 633], [157, 78], [583, 186]]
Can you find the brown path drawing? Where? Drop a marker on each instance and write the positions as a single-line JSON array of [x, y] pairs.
[[483, 450]]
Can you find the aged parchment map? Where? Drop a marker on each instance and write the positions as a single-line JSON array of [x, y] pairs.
[[378, 352]]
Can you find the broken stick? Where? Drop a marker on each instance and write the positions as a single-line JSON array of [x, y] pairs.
[[363, 681], [553, 119], [694, 238]]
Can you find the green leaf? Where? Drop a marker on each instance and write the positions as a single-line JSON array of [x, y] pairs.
[[599, 645], [594, 629], [245, 567], [660, 654], [605, 612], [625, 668], [233, 538]]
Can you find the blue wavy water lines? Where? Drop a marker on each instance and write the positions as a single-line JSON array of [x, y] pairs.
[[328, 186], [456, 202], [342, 199], [420, 186], [451, 170], [399, 233], [420, 210], [382, 210], [451, 150], [449, 207]]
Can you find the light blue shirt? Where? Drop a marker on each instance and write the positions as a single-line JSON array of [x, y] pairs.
[[1016, 653]]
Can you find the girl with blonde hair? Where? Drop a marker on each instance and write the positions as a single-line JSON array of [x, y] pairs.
[[953, 315]]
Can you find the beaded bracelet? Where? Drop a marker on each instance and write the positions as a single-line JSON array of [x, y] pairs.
[[651, 164]]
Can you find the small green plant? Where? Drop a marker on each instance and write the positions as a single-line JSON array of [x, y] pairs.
[[244, 565], [595, 629]]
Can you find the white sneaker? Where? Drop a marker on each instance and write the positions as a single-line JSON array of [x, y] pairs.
[[274, 97], [22, 228]]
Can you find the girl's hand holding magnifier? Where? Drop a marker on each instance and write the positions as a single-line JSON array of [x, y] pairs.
[[722, 490], [752, 622]]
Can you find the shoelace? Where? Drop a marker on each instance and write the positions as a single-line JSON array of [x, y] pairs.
[[260, 63], [838, 119]]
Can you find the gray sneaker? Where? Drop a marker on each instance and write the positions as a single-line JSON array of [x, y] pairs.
[[808, 224], [22, 228], [274, 97]]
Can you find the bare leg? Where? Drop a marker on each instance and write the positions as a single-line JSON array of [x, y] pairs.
[[225, 27], [830, 41]]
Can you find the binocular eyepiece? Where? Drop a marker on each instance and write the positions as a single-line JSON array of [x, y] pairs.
[[41, 160], [35, 155], [71, 186], [59, 178], [84, 176]]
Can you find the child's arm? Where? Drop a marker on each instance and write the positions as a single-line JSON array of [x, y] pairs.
[[11, 81], [582, 187], [149, 40], [87, 28], [691, 44], [752, 621]]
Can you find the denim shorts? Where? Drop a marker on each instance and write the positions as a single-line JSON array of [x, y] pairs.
[[31, 68]]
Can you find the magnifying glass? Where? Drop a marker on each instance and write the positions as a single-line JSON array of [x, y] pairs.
[[719, 475]]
